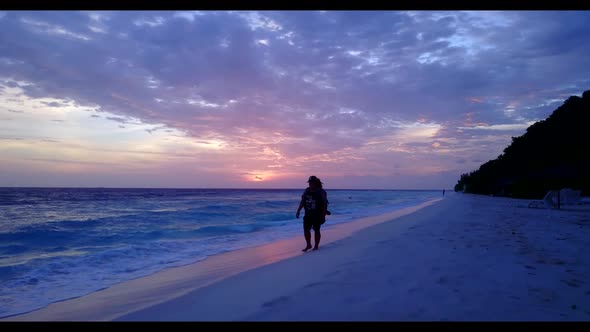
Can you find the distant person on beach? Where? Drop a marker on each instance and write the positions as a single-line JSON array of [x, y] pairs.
[[315, 202], [443, 192]]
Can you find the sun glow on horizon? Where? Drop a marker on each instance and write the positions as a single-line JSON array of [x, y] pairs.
[[260, 176]]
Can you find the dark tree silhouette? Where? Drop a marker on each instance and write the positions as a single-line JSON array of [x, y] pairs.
[[553, 153]]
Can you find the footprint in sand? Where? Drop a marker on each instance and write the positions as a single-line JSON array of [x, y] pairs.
[[413, 290], [313, 284], [558, 262], [385, 241], [573, 283], [276, 301]]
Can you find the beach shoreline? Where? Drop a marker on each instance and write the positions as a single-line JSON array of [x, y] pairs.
[[144, 292], [466, 258], [461, 258]]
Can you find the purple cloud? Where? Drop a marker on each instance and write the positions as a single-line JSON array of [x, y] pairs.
[[342, 78], [53, 104]]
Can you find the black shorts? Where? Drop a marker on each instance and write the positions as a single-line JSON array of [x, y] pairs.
[[311, 222]]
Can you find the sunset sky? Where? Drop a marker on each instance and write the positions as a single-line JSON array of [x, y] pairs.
[[239, 99]]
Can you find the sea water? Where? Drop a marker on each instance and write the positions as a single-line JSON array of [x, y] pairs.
[[61, 243]]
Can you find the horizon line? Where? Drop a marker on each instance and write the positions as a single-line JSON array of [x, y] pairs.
[[211, 188]]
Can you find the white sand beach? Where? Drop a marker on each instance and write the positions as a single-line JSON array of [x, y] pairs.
[[462, 258]]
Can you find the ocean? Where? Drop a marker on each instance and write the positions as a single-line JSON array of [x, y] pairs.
[[61, 243]]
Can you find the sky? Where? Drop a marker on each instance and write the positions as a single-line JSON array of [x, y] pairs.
[[245, 99]]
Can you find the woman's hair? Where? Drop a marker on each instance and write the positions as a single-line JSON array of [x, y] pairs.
[[315, 180]]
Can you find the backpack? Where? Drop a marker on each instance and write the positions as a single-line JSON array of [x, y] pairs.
[[325, 198], [325, 194]]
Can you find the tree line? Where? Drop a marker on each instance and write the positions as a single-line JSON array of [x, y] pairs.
[[552, 154]]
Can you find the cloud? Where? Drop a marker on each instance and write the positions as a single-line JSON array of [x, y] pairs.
[[53, 104], [117, 119], [305, 83]]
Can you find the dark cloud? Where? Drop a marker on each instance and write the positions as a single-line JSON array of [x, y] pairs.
[[116, 119], [15, 101], [70, 161], [53, 104]]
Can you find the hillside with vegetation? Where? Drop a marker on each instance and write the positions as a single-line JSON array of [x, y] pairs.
[[553, 154]]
